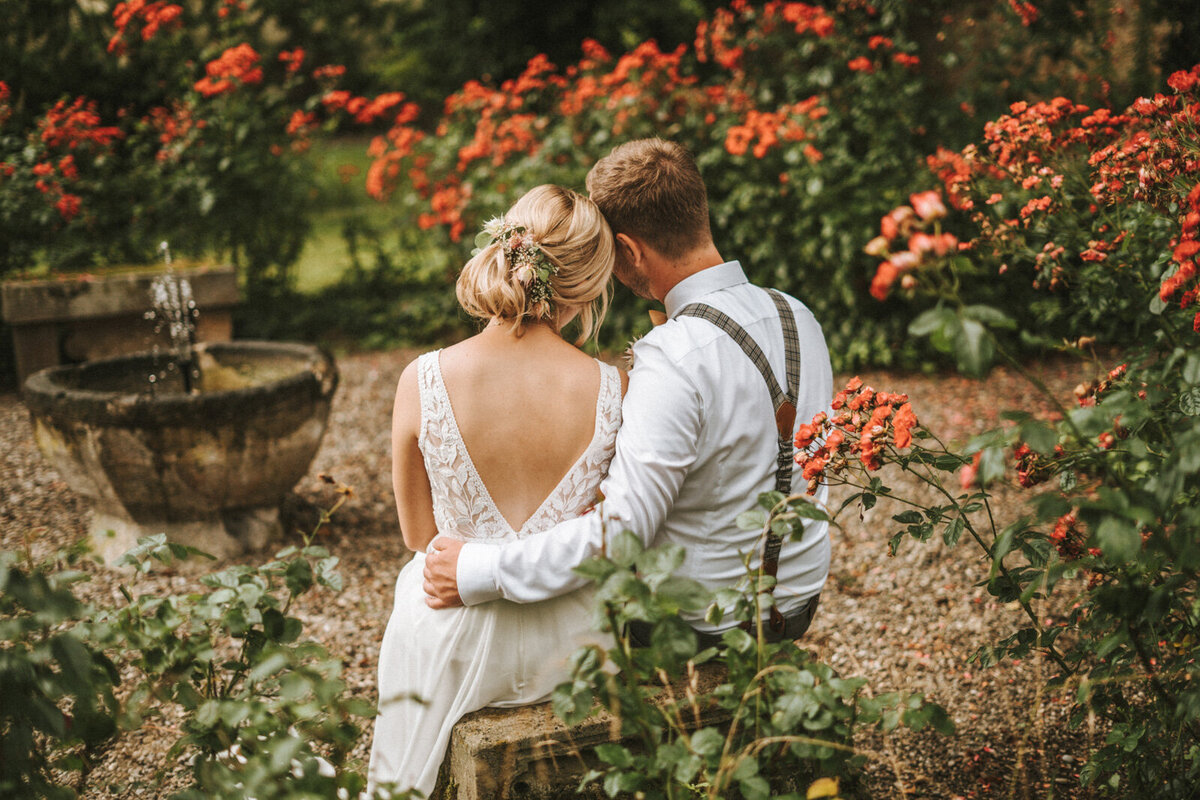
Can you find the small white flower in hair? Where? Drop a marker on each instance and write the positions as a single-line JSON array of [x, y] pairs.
[[525, 274]]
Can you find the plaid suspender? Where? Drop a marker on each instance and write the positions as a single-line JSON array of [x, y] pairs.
[[784, 402]]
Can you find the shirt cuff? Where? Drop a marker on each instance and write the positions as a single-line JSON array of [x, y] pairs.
[[476, 574]]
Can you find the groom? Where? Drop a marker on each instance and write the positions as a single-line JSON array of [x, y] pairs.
[[702, 434]]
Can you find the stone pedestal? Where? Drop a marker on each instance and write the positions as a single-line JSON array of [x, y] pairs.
[[87, 317], [527, 753]]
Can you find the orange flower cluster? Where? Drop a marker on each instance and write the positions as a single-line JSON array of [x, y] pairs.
[[864, 422], [906, 224], [230, 6], [512, 135], [70, 125], [388, 152], [861, 64], [1150, 168], [174, 125], [368, 110], [292, 60], [237, 66], [716, 36], [1068, 539], [154, 16], [447, 202], [1025, 10], [772, 127], [64, 202], [805, 18], [1185, 253], [714, 40], [1032, 467]]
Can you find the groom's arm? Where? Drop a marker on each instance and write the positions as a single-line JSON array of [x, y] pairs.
[[662, 419]]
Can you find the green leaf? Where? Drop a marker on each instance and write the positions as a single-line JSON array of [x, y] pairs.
[[75, 660], [269, 666], [614, 754], [809, 510], [1039, 436], [707, 742], [990, 316], [974, 349], [753, 520], [1118, 538], [908, 517], [929, 321], [685, 593], [596, 569], [659, 562], [624, 548], [1189, 402], [991, 466], [953, 531]]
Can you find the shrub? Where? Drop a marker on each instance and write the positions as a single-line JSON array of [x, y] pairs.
[[264, 712], [790, 720], [59, 701], [193, 138], [1102, 208], [807, 123]]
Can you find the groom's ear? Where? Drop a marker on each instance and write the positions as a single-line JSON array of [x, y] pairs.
[[633, 250]]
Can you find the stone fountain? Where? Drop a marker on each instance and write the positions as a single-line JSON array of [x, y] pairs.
[[203, 443]]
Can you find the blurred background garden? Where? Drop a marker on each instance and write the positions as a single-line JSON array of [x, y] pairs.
[[340, 155]]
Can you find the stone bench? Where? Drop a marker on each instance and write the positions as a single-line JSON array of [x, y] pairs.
[[527, 753]]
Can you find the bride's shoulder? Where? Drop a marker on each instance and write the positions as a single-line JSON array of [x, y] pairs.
[[411, 376], [613, 374]]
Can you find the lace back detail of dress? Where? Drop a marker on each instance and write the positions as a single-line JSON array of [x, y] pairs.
[[462, 506]]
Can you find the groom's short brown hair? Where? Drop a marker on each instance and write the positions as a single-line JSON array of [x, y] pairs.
[[652, 189]]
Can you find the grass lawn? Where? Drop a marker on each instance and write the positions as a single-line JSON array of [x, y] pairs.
[[340, 165]]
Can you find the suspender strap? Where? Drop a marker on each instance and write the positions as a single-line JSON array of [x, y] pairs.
[[784, 402]]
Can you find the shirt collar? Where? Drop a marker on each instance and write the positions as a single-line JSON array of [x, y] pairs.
[[702, 283]]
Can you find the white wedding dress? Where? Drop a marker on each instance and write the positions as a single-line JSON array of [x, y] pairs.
[[437, 665]]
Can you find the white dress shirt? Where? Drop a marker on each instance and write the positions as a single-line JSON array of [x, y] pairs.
[[697, 445]]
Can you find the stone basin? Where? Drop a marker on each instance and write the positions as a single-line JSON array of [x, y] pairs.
[[209, 468]]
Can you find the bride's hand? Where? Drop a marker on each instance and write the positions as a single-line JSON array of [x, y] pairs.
[[441, 573]]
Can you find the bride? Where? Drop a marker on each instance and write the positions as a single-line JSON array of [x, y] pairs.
[[496, 438]]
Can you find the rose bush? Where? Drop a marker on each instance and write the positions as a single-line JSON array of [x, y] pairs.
[[194, 136], [1102, 210], [806, 120]]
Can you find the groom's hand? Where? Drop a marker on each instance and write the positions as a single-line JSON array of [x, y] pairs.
[[441, 573]]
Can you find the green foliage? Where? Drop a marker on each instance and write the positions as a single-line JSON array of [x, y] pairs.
[[1063, 193], [777, 719], [264, 711], [59, 703], [121, 127], [807, 125]]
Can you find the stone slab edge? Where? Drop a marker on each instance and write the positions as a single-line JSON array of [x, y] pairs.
[[30, 302]]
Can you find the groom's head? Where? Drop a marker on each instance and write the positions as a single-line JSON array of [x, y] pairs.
[[653, 197]]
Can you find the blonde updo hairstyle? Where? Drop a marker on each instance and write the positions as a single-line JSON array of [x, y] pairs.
[[574, 236]]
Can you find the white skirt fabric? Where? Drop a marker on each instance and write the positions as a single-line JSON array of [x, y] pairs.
[[437, 665]]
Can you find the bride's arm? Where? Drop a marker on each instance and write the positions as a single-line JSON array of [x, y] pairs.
[[414, 500]]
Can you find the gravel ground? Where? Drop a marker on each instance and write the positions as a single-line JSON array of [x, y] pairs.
[[905, 622]]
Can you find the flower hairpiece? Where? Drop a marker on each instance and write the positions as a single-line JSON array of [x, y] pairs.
[[526, 260]]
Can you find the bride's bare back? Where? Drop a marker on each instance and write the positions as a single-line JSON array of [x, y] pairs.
[[526, 409]]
